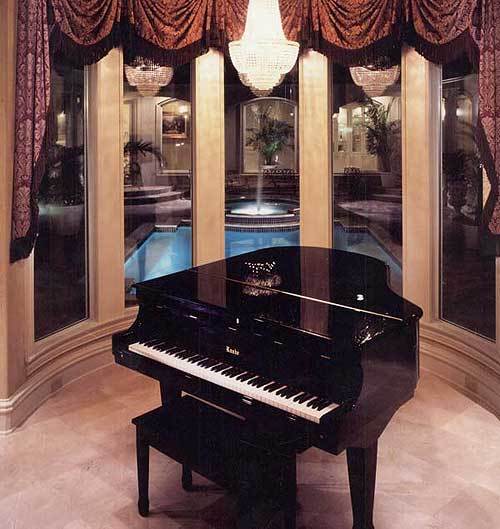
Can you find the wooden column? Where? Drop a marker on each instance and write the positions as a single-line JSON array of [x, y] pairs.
[[421, 116], [105, 176], [207, 81], [315, 151]]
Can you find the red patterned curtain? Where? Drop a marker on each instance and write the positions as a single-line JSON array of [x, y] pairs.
[[32, 105], [176, 31]]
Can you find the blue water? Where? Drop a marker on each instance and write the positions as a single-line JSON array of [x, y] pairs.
[[168, 252]]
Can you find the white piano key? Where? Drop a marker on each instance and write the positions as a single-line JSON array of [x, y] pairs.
[[287, 404]]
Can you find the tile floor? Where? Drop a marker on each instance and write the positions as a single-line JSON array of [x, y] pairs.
[[72, 466]]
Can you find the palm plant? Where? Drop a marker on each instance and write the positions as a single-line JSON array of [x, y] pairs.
[[270, 137], [132, 150], [381, 133]]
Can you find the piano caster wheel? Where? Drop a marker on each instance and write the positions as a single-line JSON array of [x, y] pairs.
[[143, 506], [187, 479]]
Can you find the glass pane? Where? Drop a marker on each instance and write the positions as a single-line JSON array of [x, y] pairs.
[[467, 276], [157, 176], [262, 179], [61, 249], [367, 190]]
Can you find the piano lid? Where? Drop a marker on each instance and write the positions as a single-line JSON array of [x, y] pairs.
[[273, 282]]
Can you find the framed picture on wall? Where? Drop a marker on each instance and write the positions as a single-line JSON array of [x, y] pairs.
[[175, 126]]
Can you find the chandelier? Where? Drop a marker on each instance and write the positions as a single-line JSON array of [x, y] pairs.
[[263, 55], [373, 79], [147, 76]]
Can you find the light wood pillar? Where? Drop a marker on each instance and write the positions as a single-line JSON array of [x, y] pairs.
[[207, 81], [421, 89], [15, 289], [105, 176], [315, 150]]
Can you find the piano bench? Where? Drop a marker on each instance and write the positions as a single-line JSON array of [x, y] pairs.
[[216, 446]]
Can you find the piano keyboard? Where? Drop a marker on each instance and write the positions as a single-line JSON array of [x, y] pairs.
[[292, 400]]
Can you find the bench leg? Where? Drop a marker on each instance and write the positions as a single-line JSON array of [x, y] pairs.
[[362, 465], [142, 474], [187, 478]]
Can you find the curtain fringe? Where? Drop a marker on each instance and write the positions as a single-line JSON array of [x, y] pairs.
[[389, 46], [443, 53]]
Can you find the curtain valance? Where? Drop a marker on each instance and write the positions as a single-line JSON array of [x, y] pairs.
[[176, 31]]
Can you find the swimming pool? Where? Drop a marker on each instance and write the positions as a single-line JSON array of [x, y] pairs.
[[168, 252]]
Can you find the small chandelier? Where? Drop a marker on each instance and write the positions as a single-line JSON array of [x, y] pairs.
[[263, 55], [374, 80], [147, 76]]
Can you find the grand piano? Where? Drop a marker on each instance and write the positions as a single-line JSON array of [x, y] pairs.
[[304, 345]]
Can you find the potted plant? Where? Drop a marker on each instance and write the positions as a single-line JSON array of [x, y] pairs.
[[383, 139], [270, 137], [62, 192], [132, 168]]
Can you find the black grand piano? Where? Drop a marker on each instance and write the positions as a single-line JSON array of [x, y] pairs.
[[292, 347]]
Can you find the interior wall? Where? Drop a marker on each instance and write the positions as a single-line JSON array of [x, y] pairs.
[[12, 286], [87, 346]]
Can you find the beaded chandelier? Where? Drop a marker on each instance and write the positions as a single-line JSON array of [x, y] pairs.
[[374, 80], [263, 55], [147, 76]]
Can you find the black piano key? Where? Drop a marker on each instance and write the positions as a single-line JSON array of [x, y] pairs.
[[305, 397], [268, 385], [195, 359], [220, 367], [212, 363], [313, 403], [152, 342], [264, 382], [229, 372], [256, 381], [292, 393], [298, 396], [246, 377], [282, 391], [324, 403], [204, 363], [237, 371], [273, 387]]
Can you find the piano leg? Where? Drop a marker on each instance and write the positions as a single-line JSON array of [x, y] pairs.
[[143, 474], [187, 478], [170, 393], [362, 465]]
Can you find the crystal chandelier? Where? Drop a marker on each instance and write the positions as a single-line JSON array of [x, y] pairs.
[[263, 55], [147, 76], [373, 79]]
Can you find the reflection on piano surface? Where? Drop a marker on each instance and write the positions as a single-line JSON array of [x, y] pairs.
[[298, 340]]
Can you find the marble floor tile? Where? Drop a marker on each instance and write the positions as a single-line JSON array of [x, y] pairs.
[[72, 466]]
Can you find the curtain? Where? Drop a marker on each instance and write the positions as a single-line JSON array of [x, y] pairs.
[[32, 106], [176, 31]]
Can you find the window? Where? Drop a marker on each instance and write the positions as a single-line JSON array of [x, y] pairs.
[[467, 275], [157, 178], [61, 249], [262, 178], [367, 190]]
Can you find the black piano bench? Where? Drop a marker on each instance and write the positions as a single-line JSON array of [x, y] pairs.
[[216, 446]]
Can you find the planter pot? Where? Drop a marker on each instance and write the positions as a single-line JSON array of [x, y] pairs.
[[389, 179], [64, 220]]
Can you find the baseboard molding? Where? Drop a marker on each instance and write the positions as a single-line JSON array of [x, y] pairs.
[[464, 361], [66, 360]]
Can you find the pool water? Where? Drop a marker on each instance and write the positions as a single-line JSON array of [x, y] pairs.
[[168, 252]]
